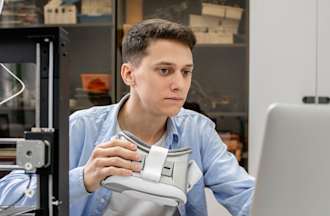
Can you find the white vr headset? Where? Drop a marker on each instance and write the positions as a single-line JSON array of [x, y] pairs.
[[165, 178]]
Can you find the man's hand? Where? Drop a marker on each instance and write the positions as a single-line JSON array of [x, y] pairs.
[[115, 157]]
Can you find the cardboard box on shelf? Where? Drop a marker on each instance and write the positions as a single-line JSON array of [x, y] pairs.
[[203, 21], [96, 7], [222, 11], [230, 25], [199, 29], [55, 13], [214, 38], [234, 13], [219, 29], [213, 24], [213, 10]]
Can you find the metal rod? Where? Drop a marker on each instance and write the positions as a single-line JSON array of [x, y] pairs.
[[37, 105], [50, 192], [50, 85], [38, 191], [6, 167], [50, 120], [10, 141]]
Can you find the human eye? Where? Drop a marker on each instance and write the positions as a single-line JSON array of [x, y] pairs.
[[186, 72], [164, 71]]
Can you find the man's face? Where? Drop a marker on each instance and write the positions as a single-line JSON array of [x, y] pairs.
[[163, 77]]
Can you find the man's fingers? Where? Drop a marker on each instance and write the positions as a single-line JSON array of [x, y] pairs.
[[115, 171], [117, 151], [118, 142], [118, 162]]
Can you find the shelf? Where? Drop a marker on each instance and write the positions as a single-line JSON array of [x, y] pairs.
[[78, 25], [6, 109]]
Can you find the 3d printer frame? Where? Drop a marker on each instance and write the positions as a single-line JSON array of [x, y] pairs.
[[45, 149]]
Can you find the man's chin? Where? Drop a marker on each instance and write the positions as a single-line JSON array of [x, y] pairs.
[[174, 112]]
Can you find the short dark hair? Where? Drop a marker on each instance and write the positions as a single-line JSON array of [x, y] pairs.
[[140, 35]]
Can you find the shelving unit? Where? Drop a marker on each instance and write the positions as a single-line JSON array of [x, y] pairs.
[[221, 69], [90, 51]]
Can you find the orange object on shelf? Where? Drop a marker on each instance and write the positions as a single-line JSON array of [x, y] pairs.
[[234, 145], [96, 83]]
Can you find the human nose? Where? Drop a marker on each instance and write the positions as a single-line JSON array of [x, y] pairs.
[[177, 81]]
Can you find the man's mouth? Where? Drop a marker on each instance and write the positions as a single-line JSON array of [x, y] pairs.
[[175, 98]]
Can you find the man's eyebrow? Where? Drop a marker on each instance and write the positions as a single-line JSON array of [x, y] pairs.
[[172, 64], [189, 65], [164, 63]]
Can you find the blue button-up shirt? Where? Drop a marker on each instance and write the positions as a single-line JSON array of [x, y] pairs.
[[230, 183]]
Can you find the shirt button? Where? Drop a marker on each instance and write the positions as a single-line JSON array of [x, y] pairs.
[[102, 200]]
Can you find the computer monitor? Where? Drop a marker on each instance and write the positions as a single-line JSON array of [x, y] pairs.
[[294, 170]]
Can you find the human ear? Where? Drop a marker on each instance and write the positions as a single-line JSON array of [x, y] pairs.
[[127, 74]]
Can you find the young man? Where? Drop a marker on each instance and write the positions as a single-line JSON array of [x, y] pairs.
[[158, 65]]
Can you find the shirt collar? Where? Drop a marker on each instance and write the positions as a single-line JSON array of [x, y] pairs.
[[110, 123], [109, 127]]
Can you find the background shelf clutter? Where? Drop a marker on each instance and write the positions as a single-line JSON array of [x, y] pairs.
[[217, 23], [61, 12]]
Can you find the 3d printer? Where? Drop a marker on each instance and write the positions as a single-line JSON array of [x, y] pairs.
[[43, 152]]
